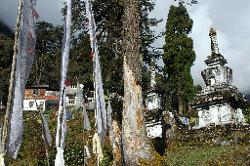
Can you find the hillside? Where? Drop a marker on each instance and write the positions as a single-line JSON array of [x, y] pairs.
[[4, 29]]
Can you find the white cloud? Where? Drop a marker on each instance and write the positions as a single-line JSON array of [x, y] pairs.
[[231, 20], [233, 37], [8, 12], [48, 10], [201, 26]]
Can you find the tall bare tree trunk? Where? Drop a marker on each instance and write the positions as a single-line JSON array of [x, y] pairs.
[[180, 105], [135, 142], [116, 143]]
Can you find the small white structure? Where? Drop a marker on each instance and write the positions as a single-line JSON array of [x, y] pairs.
[[153, 113], [219, 102], [33, 105], [154, 129], [153, 100], [40, 95], [34, 98], [71, 97], [153, 108]]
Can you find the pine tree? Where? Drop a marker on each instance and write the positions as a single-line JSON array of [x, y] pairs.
[[179, 57], [146, 32], [6, 51], [48, 55]]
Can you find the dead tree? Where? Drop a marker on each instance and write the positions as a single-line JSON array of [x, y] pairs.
[[135, 142]]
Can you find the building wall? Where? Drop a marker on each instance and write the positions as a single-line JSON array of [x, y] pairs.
[[31, 93], [44, 96], [220, 114], [217, 75], [238, 116], [30, 105], [225, 113], [153, 101], [154, 129]]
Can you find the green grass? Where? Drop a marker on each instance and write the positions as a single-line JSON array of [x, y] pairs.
[[183, 153], [208, 155]]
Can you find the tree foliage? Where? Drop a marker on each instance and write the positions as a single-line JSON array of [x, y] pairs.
[[108, 16], [46, 67], [179, 57], [147, 35], [6, 53]]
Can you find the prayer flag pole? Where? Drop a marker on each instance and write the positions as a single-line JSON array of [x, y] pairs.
[[100, 109], [23, 56], [4, 131], [61, 117]]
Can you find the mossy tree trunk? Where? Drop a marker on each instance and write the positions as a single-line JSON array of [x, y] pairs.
[[135, 142]]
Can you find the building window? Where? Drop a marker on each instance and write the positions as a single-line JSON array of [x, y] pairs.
[[31, 104], [41, 104]]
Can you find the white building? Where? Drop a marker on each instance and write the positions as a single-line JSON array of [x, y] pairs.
[[39, 96], [34, 98]]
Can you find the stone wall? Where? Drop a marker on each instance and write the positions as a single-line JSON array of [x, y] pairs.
[[215, 135]]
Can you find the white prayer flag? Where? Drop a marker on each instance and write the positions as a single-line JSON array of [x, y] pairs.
[[24, 59]]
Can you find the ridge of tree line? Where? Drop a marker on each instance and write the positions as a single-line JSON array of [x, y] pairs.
[[4, 29]]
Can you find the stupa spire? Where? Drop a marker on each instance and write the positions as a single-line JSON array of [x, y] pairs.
[[215, 58], [214, 43]]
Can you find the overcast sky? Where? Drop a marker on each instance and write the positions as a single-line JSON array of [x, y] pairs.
[[230, 18]]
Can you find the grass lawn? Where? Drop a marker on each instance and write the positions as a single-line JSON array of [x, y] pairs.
[[208, 155]]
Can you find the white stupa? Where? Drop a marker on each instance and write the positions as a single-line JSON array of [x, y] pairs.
[[219, 102]]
